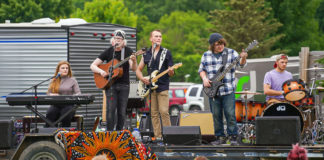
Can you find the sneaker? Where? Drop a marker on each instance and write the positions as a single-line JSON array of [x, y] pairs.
[[233, 141], [219, 141]]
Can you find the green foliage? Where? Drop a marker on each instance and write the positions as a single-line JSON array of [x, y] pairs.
[[299, 25], [112, 11], [155, 9], [320, 16], [244, 21], [28, 10], [80, 3], [184, 34]]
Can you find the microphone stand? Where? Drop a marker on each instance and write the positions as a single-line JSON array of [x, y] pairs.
[[35, 103], [110, 73], [150, 70]]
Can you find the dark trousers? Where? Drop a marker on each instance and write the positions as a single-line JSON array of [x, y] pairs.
[[55, 112], [117, 98]]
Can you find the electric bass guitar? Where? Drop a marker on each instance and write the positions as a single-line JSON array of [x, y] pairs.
[[143, 90], [216, 80], [113, 66]]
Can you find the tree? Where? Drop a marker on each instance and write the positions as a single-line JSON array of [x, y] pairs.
[[299, 25], [155, 9], [184, 34], [28, 10], [112, 11], [320, 16], [244, 21]]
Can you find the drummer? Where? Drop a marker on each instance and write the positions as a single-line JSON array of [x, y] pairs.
[[273, 80]]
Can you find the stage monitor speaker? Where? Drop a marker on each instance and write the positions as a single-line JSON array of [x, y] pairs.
[[204, 119], [182, 135], [6, 136], [277, 130], [146, 128]]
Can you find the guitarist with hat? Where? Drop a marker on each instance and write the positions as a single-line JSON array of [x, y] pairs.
[[117, 93], [214, 62]]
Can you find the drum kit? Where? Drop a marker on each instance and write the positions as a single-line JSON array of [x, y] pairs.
[[299, 103]]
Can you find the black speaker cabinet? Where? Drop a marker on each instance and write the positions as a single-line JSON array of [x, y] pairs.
[[146, 128], [277, 130], [6, 136], [182, 135]]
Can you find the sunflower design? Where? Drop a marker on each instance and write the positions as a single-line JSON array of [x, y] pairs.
[[115, 145]]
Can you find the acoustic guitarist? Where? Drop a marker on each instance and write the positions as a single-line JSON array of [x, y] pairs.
[[117, 93], [157, 58], [211, 64]]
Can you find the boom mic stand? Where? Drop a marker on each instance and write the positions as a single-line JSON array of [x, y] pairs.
[[35, 102]]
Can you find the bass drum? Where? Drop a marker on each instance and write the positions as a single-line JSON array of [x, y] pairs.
[[284, 109]]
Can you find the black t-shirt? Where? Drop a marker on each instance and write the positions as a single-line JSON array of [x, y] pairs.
[[163, 82], [107, 56]]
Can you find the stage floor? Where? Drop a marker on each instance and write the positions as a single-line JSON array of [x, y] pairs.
[[177, 152]]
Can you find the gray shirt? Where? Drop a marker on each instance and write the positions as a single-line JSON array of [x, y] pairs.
[[68, 86]]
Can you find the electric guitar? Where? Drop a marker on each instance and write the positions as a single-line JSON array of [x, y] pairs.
[[216, 80], [143, 90], [117, 71]]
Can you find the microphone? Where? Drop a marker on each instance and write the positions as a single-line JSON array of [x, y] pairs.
[[58, 75], [154, 46]]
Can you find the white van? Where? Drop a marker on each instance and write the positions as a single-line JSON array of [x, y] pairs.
[[194, 98]]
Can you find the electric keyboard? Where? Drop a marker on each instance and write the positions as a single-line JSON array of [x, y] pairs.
[[15, 100]]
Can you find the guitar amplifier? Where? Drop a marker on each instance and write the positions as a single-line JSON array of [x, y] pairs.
[[203, 119]]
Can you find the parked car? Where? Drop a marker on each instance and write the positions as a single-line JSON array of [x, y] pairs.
[[176, 100], [195, 98]]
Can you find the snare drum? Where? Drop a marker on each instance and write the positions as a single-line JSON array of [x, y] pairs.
[[294, 90], [255, 109], [284, 109]]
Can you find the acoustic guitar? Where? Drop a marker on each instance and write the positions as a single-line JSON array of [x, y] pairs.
[[113, 66]]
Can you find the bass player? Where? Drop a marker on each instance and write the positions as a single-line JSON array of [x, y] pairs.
[[117, 93], [224, 100], [157, 58]]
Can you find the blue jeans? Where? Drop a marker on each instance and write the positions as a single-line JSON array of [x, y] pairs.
[[224, 103]]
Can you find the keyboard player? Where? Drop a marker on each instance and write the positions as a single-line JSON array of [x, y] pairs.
[[63, 84]]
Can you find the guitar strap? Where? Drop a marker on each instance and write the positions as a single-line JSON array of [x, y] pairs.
[[224, 59], [162, 57], [122, 54]]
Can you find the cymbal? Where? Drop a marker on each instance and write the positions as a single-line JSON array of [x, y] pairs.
[[314, 69], [248, 92], [240, 72]]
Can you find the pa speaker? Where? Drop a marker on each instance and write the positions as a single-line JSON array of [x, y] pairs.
[[145, 126], [277, 130], [6, 136], [182, 135]]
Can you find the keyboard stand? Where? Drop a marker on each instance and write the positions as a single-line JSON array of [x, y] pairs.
[[51, 124]]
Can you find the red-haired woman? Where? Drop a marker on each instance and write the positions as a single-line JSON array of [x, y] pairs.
[[63, 84]]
